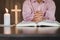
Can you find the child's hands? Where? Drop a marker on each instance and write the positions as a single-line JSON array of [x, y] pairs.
[[38, 16]]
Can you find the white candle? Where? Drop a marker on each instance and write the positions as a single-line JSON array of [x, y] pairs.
[[7, 29]]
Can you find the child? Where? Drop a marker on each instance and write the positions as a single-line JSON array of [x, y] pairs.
[[38, 10]]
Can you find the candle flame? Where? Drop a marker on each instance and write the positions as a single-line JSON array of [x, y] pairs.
[[6, 10]]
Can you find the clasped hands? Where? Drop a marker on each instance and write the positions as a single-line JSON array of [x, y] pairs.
[[38, 16]]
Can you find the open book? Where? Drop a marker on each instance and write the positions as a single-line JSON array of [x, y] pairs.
[[42, 23]]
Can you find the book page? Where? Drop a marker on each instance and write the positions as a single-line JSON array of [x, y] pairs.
[[26, 23], [49, 23]]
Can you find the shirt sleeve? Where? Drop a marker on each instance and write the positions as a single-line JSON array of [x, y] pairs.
[[50, 13], [26, 12]]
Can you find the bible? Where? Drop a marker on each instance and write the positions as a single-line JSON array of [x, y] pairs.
[[46, 23]]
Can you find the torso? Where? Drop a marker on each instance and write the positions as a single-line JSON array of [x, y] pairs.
[[39, 7]]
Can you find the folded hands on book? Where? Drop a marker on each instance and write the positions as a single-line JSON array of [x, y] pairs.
[[38, 16]]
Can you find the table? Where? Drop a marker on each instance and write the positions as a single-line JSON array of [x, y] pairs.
[[12, 29], [29, 37], [21, 36], [15, 30], [39, 30]]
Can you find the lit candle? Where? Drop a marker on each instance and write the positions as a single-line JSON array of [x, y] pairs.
[[7, 29]]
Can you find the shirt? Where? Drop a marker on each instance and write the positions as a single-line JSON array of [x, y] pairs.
[[46, 6]]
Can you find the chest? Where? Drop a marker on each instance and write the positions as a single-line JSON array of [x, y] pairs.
[[39, 7]]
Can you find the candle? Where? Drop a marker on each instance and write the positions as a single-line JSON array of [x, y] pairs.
[[7, 22], [6, 18]]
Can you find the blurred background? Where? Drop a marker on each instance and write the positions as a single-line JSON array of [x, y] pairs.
[[10, 5]]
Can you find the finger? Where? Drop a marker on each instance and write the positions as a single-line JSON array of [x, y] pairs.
[[39, 14]]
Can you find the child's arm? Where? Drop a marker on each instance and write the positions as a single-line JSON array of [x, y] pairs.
[[26, 13]]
